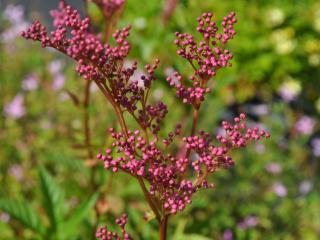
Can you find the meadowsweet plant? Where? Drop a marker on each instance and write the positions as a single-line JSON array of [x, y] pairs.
[[167, 181]]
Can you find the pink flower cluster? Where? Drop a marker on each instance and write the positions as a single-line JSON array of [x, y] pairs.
[[210, 55], [172, 178], [206, 58], [102, 62], [190, 95], [132, 93], [104, 234], [72, 37], [166, 173]]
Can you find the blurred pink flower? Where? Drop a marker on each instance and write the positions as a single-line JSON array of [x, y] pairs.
[[4, 217], [16, 171], [15, 15], [169, 7], [13, 32], [280, 190], [305, 125], [290, 90], [55, 67], [158, 94], [248, 222], [274, 168], [15, 109], [260, 148], [58, 82], [305, 187], [251, 221], [30, 82], [259, 109], [315, 144], [228, 234]]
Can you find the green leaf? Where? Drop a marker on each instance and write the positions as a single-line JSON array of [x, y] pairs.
[[53, 198], [79, 214], [193, 237], [180, 235], [23, 213]]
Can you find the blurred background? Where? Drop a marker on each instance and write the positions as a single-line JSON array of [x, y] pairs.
[[49, 183]]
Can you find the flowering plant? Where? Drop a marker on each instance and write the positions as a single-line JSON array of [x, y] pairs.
[[168, 181]]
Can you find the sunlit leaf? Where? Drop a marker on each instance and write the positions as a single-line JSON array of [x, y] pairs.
[[23, 213], [53, 198], [79, 214]]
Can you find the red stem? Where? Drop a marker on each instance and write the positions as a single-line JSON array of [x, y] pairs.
[[125, 132], [149, 199], [111, 23], [194, 126], [163, 228]]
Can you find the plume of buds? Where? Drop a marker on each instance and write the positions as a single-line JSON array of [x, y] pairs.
[[166, 173], [206, 58], [144, 153], [102, 63], [104, 234], [72, 37]]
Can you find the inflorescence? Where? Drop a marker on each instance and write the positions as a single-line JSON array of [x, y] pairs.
[[206, 58], [167, 173], [104, 234], [173, 180]]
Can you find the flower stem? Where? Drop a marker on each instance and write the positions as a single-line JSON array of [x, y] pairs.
[[149, 199], [86, 119], [194, 126], [195, 120], [163, 228], [111, 23], [124, 130]]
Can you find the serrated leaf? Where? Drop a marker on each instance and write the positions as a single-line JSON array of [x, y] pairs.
[[79, 214], [23, 213], [53, 198]]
